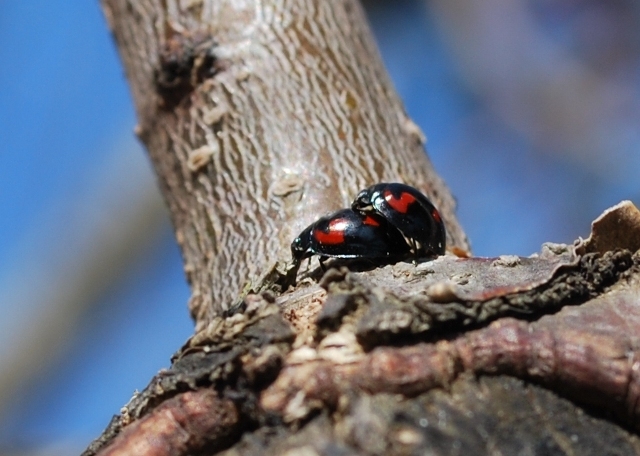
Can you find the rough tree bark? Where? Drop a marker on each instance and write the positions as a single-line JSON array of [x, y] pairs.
[[260, 116]]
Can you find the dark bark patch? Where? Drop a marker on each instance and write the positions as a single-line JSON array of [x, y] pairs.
[[335, 307], [185, 60], [489, 415], [499, 415]]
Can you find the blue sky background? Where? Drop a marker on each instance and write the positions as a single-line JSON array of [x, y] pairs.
[[69, 166]]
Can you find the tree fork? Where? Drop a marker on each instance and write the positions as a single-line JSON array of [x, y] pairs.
[[259, 117]]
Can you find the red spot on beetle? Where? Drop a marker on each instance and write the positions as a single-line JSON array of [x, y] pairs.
[[399, 204], [368, 220], [436, 215], [335, 233]]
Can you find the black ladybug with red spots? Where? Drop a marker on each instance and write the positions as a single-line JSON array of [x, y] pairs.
[[350, 234], [409, 211], [388, 222]]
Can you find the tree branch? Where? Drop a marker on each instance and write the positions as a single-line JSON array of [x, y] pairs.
[[259, 117]]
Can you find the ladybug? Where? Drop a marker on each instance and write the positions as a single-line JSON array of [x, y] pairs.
[[349, 234], [409, 211]]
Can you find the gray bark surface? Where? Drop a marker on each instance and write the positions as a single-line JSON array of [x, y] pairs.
[[259, 117]]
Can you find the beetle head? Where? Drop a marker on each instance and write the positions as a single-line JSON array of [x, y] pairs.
[[362, 203]]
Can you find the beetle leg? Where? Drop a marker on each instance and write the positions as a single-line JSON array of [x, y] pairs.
[[414, 247]]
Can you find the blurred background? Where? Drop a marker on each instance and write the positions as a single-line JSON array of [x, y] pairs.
[[532, 113]]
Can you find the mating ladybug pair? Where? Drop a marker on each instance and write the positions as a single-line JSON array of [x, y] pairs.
[[387, 222]]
